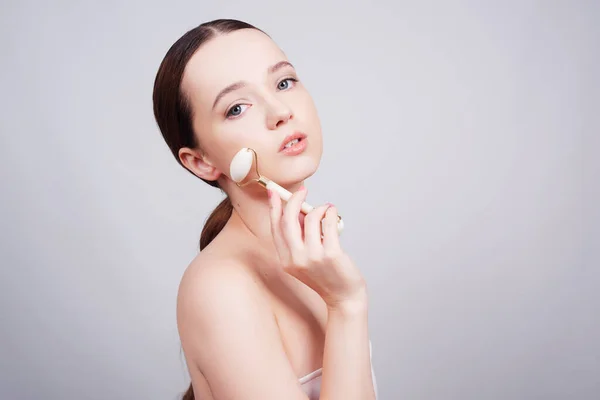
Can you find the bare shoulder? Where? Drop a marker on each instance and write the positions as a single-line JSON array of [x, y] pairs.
[[213, 284], [226, 324]]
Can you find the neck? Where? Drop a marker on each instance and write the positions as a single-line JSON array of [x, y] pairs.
[[251, 213]]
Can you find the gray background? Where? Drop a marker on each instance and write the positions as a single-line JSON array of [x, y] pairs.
[[460, 140]]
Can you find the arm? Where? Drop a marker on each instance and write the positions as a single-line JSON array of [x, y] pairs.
[[229, 333], [347, 359], [315, 257]]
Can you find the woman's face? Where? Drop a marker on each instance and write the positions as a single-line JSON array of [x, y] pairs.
[[244, 93]]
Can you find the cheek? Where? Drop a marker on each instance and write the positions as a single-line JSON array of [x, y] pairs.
[[247, 131], [306, 110], [231, 137], [310, 121]]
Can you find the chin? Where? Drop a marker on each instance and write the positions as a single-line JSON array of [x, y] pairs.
[[296, 169]]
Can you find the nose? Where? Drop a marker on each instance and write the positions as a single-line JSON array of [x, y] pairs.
[[278, 113]]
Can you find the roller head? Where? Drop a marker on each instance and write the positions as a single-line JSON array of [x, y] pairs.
[[241, 164]]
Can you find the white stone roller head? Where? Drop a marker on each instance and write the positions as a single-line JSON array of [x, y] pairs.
[[241, 164]]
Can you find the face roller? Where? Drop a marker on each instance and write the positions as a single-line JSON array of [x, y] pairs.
[[240, 168]]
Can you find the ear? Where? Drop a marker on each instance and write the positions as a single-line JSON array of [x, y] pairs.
[[199, 164]]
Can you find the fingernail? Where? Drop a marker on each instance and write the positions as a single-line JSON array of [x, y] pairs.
[[330, 204]]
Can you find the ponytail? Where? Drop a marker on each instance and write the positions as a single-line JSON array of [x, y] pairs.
[[214, 224], [189, 394]]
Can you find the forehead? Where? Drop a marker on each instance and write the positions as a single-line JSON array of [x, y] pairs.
[[240, 55]]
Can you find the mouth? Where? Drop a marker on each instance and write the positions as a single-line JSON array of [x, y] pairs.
[[293, 143]]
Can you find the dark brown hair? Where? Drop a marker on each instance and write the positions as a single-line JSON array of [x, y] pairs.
[[173, 113]]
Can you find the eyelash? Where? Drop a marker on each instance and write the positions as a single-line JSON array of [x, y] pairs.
[[288, 79], [228, 112]]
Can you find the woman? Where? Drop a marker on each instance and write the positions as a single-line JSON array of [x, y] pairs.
[[272, 307]]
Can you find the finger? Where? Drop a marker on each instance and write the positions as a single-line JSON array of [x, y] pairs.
[[331, 239], [290, 225], [313, 230], [301, 218], [275, 214]]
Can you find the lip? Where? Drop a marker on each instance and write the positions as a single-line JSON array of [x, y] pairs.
[[295, 135]]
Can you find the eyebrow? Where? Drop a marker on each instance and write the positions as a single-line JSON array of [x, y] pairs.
[[240, 84], [280, 65]]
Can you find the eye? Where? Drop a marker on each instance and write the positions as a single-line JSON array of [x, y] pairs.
[[236, 110], [286, 83]]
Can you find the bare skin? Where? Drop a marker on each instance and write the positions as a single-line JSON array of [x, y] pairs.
[[269, 300]]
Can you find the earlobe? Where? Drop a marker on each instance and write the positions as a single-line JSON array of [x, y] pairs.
[[198, 164]]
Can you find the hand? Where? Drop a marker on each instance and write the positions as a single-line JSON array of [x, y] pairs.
[[313, 256]]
